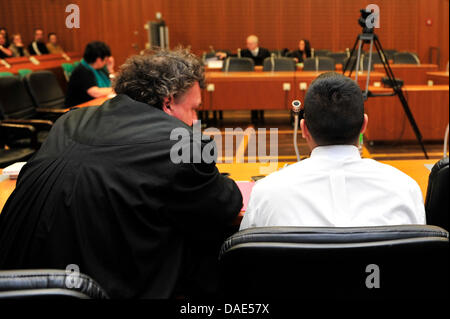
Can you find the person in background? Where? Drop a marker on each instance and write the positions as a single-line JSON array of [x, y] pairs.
[[4, 31], [91, 78], [4, 51], [17, 48], [38, 47], [52, 45], [302, 53], [334, 187]]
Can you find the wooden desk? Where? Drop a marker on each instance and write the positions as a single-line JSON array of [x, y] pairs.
[[260, 90], [50, 62], [244, 171], [438, 77], [387, 120], [249, 90], [410, 73]]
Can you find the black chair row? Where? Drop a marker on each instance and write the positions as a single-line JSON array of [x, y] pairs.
[[35, 101], [409, 261]]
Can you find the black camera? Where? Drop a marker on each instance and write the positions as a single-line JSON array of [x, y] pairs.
[[362, 21]]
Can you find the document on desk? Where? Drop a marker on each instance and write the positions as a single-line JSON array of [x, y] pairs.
[[246, 189]]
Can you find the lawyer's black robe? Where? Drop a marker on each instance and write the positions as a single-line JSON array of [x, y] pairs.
[[103, 193]]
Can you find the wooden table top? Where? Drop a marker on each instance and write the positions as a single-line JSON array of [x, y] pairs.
[[47, 61], [244, 171]]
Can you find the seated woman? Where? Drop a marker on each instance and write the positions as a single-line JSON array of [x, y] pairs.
[[52, 45], [303, 52], [4, 51], [91, 78], [17, 48]]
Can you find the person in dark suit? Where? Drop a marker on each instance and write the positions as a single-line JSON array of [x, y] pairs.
[[38, 47], [258, 55], [116, 191], [255, 52], [302, 53]]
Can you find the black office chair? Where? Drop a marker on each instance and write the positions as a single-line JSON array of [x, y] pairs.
[[437, 199], [233, 64], [16, 107], [338, 57], [352, 64], [390, 53], [279, 64], [44, 90], [322, 52], [321, 63], [46, 284], [406, 58], [8, 134], [361, 262]]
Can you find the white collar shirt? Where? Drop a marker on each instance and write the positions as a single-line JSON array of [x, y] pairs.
[[335, 188]]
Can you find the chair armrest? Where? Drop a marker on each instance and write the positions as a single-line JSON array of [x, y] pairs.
[[29, 130], [39, 125], [49, 110]]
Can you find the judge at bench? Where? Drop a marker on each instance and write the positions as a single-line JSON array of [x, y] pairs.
[[103, 192]]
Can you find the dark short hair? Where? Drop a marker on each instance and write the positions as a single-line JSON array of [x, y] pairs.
[[334, 109], [94, 50], [38, 29], [158, 74], [50, 34]]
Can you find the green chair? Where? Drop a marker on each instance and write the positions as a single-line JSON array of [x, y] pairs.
[[68, 69], [23, 72], [6, 74]]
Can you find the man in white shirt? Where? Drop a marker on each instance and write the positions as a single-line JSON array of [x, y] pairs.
[[334, 187]]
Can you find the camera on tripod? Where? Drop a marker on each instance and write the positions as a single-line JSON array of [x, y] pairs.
[[363, 21]]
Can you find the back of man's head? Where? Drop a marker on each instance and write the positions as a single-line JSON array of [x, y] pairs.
[[160, 74], [334, 109]]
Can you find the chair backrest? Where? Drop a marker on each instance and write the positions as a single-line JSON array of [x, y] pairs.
[[6, 74], [15, 102], [279, 64], [350, 65], [233, 64], [322, 52], [44, 89], [361, 262], [48, 283], [437, 199], [406, 58], [390, 53], [68, 69], [338, 57], [321, 63]]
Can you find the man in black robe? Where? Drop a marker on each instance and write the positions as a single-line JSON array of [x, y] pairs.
[[105, 193]]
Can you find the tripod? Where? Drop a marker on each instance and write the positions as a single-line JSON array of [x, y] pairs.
[[372, 39]]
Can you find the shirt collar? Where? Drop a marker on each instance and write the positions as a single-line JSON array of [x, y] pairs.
[[336, 151], [255, 52]]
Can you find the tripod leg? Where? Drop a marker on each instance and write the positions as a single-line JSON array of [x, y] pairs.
[[350, 58], [399, 92]]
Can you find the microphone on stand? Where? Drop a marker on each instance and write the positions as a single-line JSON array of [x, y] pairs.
[[296, 109]]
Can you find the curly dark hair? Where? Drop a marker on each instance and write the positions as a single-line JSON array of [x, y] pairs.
[[157, 74]]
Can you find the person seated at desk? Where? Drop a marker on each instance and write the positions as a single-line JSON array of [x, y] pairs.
[[52, 45], [4, 31], [38, 47], [4, 51], [334, 187], [17, 48], [91, 78], [106, 190], [302, 53], [253, 51]]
